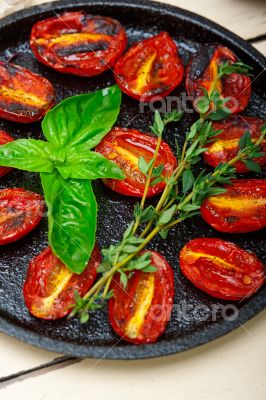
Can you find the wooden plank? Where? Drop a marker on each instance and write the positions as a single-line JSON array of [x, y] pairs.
[[261, 46], [230, 367], [245, 18], [17, 356]]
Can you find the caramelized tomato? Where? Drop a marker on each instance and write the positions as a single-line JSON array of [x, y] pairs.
[[50, 286], [202, 72], [20, 212], [24, 96], [241, 209], [4, 138], [225, 146], [124, 147], [78, 43], [139, 313], [149, 69], [222, 269]]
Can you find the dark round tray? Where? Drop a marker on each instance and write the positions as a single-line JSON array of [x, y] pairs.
[[96, 338]]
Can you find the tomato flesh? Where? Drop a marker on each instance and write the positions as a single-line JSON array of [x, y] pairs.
[[50, 286], [24, 96], [225, 146], [139, 313], [4, 138], [202, 72], [149, 69], [78, 43], [124, 147], [20, 212], [241, 209], [221, 268]]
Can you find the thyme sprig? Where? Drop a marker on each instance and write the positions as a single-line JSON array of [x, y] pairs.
[[181, 199], [152, 173], [212, 105], [227, 68]]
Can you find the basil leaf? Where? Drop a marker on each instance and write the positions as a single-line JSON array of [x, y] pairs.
[[82, 119], [72, 219], [26, 154], [81, 163]]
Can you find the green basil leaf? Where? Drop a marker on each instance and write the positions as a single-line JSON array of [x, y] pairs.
[[81, 163], [72, 219], [82, 119], [26, 154]]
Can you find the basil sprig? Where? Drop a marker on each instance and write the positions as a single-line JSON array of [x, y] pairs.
[[67, 166]]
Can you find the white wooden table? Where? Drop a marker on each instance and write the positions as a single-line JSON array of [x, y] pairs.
[[231, 367]]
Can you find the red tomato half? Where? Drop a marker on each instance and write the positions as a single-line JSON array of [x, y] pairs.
[[149, 69], [4, 138], [24, 96], [225, 146], [124, 147], [241, 209], [222, 269], [202, 71], [50, 286], [78, 43], [20, 212], [139, 313]]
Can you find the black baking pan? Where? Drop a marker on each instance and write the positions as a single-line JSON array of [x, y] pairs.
[[96, 338]]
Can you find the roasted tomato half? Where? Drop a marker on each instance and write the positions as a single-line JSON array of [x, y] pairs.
[[202, 72], [225, 146], [24, 96], [78, 43], [241, 209], [149, 69], [50, 286], [124, 147], [139, 313], [221, 268], [4, 138], [20, 212]]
